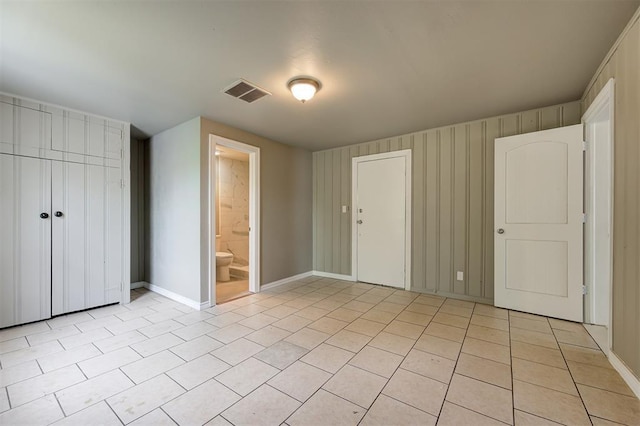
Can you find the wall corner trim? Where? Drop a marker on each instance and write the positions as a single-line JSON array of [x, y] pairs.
[[287, 280], [334, 276], [174, 296], [627, 375]]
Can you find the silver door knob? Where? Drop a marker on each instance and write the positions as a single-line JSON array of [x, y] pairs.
[[500, 231], [359, 222]]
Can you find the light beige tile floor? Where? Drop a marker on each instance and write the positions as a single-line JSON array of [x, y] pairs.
[[229, 290], [314, 352]]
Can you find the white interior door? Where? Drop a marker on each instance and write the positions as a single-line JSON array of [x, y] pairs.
[[25, 240], [539, 223], [381, 206]]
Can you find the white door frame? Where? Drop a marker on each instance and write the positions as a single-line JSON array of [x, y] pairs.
[[406, 154], [601, 110], [254, 211]]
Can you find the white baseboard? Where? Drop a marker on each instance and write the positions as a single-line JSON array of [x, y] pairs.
[[285, 281], [630, 378], [139, 284], [175, 297], [332, 275]]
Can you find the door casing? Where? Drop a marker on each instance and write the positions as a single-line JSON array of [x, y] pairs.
[[598, 123], [254, 212]]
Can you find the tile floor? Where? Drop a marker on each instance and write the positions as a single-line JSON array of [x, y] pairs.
[[313, 352], [229, 290]]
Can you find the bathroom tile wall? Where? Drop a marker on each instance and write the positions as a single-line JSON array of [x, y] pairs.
[[234, 208]]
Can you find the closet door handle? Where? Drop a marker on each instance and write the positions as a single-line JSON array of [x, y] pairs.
[[58, 214], [44, 215]]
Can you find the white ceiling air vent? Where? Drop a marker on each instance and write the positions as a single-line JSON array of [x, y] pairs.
[[246, 91]]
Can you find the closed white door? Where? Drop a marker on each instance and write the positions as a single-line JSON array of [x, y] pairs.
[[539, 223], [86, 236], [25, 240], [381, 193]]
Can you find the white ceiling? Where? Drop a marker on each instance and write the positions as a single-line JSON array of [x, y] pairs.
[[387, 68]]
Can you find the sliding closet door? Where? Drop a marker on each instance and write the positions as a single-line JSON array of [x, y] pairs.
[[83, 232], [25, 240]]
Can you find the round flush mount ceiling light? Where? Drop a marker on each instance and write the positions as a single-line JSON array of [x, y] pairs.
[[303, 88]]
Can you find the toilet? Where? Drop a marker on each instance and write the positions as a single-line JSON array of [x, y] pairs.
[[223, 261]]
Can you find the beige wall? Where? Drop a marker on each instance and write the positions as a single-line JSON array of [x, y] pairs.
[[176, 202], [452, 200], [624, 67], [285, 203]]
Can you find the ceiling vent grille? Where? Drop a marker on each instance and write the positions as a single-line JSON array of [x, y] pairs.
[[246, 91]]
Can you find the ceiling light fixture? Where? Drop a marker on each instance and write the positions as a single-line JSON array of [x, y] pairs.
[[303, 88]]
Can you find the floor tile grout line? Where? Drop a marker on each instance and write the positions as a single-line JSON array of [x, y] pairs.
[[537, 362], [477, 412], [476, 379], [513, 391], [6, 390], [538, 415], [385, 324], [64, 414], [167, 414], [584, 405], [604, 390], [116, 414], [347, 363], [453, 371]]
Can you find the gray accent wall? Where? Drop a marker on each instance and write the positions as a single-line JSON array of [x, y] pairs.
[[453, 189], [624, 66], [137, 209]]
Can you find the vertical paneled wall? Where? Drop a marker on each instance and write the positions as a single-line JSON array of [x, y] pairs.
[[624, 67], [452, 199]]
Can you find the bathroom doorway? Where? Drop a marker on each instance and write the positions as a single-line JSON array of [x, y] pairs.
[[235, 178]]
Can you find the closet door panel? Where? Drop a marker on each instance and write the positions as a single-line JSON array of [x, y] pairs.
[[81, 236], [23, 130], [25, 240], [114, 257], [85, 135]]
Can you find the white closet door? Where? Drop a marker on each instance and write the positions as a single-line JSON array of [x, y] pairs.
[[114, 257], [25, 240], [83, 230]]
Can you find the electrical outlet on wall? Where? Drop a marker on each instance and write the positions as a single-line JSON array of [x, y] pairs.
[[460, 276], [345, 209]]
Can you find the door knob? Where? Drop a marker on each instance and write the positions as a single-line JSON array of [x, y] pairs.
[[58, 214], [500, 231], [44, 215], [359, 222]]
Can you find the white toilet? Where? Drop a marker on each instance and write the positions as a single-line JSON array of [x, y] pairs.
[[223, 261]]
